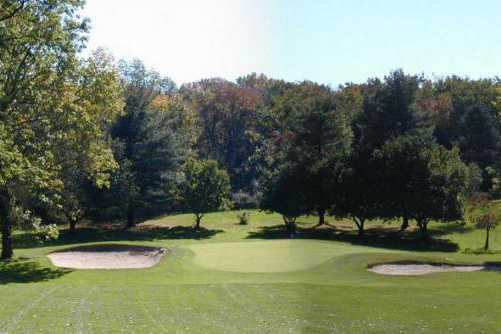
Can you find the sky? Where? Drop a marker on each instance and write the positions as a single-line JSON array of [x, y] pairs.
[[327, 41]]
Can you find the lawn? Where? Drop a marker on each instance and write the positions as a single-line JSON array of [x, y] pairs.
[[229, 278]]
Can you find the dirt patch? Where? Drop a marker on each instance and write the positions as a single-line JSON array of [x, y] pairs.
[[107, 257], [407, 268]]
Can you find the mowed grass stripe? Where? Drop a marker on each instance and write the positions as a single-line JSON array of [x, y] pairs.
[[261, 308]]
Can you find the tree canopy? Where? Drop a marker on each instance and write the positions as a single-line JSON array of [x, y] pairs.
[[90, 137], [202, 187], [52, 105]]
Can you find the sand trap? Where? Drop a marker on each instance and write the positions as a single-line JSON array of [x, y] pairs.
[[107, 257], [410, 269]]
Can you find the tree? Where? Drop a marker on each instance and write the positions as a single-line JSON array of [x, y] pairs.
[[359, 198], [421, 180], [225, 121], [469, 120], [483, 215], [203, 187], [148, 142], [52, 105], [282, 193], [390, 110], [313, 135]]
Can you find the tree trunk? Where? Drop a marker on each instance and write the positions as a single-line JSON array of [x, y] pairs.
[[198, 218], [7, 251], [405, 224], [73, 225], [290, 225], [360, 224], [423, 227], [131, 215], [321, 217], [486, 247]]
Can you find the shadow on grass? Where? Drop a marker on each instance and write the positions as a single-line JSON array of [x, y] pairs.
[[139, 233], [375, 237], [26, 271], [493, 266], [445, 229]]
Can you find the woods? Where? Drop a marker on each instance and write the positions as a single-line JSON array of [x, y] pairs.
[[104, 140]]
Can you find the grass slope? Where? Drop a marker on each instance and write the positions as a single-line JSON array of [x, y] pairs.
[[249, 279]]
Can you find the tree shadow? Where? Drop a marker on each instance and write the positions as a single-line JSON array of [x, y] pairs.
[[138, 233], [374, 237], [26, 271], [493, 267], [445, 229]]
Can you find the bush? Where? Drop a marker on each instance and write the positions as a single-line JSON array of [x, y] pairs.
[[243, 218]]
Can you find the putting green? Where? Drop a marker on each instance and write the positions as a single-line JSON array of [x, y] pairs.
[[268, 256]]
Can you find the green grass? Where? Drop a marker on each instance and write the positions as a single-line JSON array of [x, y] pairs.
[[230, 278], [269, 256]]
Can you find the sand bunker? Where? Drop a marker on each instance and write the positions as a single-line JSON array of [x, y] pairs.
[[107, 257], [411, 269]]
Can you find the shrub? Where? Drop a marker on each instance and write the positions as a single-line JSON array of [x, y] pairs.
[[243, 218]]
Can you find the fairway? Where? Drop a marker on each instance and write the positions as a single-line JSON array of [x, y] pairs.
[[235, 279]]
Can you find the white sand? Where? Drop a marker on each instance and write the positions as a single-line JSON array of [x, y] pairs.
[[107, 257], [420, 269]]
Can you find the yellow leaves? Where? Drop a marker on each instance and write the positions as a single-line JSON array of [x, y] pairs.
[[166, 103], [101, 164], [497, 103]]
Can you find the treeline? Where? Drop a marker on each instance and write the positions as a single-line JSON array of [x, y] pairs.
[[398, 147], [104, 140]]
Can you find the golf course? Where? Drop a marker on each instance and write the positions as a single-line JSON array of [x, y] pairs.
[[231, 278], [243, 166]]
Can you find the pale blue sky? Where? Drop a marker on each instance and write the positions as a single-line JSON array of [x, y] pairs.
[[328, 41]]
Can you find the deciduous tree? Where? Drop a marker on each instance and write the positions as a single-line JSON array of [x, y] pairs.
[[52, 105], [202, 187]]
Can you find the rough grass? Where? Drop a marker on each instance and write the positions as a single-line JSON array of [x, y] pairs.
[[315, 284]]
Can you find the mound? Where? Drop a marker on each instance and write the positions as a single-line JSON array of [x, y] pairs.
[[107, 257], [267, 256]]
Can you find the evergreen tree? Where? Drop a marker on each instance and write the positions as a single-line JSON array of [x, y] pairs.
[[149, 146]]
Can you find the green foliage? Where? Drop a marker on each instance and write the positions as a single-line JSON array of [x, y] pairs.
[[53, 105], [483, 214], [282, 194], [310, 146], [244, 218], [421, 180], [358, 197], [202, 187], [390, 110], [225, 124], [470, 121], [148, 144], [383, 149]]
